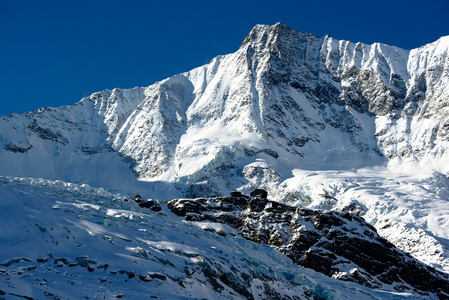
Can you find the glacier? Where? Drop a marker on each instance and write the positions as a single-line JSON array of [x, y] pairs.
[[317, 122], [72, 241]]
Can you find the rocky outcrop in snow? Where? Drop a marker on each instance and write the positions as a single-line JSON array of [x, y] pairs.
[[340, 245]]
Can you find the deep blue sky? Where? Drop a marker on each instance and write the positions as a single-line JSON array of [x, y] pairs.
[[54, 52]]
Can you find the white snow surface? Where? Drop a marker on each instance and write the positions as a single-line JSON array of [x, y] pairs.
[[67, 241], [295, 114], [409, 206]]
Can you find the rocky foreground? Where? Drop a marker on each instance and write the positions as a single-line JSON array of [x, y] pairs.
[[338, 244]]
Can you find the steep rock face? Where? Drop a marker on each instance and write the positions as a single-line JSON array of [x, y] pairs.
[[340, 245], [404, 92]]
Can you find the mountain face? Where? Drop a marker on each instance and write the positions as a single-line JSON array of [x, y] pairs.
[[283, 95], [317, 122]]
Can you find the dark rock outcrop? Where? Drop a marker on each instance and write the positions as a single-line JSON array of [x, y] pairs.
[[338, 244]]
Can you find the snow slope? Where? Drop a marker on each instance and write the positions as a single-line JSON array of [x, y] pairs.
[[408, 207], [66, 241]]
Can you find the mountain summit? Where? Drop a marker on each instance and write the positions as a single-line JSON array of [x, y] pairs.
[[284, 96]]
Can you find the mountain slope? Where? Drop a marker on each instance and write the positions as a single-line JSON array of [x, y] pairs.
[[283, 93]]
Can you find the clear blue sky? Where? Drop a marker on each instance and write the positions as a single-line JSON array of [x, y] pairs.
[[54, 52]]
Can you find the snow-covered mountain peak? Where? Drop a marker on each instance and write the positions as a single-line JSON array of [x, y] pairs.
[[261, 34], [283, 93], [441, 45], [297, 115]]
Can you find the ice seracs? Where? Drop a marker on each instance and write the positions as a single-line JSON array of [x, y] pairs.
[[72, 241]]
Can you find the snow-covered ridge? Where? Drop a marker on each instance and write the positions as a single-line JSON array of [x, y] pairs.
[[283, 92], [290, 112]]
